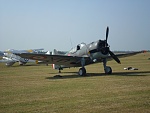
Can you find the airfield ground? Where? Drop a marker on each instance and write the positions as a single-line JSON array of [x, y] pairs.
[[33, 88]]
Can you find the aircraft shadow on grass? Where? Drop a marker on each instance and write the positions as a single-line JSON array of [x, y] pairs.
[[75, 75]]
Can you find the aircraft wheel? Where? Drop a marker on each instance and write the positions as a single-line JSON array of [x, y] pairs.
[[108, 70], [82, 71]]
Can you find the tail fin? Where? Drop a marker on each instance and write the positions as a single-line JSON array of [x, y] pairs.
[[48, 53], [55, 52]]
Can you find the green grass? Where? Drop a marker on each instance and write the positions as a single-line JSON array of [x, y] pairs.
[[34, 88]]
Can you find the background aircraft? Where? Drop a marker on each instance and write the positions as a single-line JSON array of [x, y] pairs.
[[82, 55], [10, 58], [1, 53]]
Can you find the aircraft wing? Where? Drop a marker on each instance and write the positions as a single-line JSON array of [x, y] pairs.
[[3, 61], [69, 61], [122, 55], [119, 55], [8, 62]]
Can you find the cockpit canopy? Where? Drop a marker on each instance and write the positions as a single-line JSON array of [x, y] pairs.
[[78, 47]]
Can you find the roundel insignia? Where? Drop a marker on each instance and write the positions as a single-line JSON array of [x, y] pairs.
[[38, 57]]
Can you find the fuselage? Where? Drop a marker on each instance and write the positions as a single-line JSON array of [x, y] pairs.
[[94, 51], [91, 50]]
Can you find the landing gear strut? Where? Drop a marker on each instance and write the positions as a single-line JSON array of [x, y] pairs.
[[82, 71], [107, 69], [60, 69]]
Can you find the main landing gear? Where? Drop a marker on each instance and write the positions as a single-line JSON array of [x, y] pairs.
[[107, 69], [82, 71]]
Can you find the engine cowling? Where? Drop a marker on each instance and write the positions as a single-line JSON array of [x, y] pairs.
[[102, 46]]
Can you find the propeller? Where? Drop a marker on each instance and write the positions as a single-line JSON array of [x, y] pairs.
[[103, 47], [107, 48], [114, 57], [107, 32]]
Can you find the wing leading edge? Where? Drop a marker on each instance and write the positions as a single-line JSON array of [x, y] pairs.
[[69, 61]]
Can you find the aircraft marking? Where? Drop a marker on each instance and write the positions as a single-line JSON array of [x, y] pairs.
[[26, 59], [38, 57]]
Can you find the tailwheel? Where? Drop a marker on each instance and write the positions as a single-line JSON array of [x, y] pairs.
[[59, 70], [82, 71], [108, 70]]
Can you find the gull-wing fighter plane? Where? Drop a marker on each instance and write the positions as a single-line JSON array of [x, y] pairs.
[[10, 58], [82, 55]]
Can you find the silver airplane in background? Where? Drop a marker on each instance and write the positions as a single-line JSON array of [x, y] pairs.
[[81, 55], [10, 57]]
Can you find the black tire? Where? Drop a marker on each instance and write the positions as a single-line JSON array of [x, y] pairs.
[[82, 72], [108, 70]]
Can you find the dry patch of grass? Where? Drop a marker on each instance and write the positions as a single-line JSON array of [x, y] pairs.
[[34, 88]]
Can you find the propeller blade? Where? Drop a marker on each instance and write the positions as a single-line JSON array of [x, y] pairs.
[[107, 32], [114, 57]]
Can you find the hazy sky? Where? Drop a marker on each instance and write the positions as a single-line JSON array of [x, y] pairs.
[[61, 24]]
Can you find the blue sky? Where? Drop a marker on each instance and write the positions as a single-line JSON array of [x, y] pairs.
[[61, 24]]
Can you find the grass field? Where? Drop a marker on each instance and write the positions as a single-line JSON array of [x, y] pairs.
[[33, 88]]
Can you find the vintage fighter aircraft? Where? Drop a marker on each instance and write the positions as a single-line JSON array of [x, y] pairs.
[[9, 57], [82, 55]]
